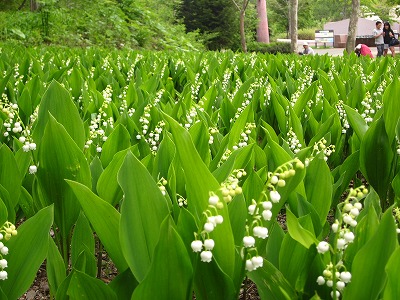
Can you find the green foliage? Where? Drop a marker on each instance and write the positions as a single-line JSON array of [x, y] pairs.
[[183, 166], [272, 48]]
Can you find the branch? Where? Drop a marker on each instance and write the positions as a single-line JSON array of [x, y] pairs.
[[237, 5]]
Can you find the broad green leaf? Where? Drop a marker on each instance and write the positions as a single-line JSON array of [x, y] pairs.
[[376, 252], [297, 232], [356, 122], [271, 284], [82, 238], [118, 140], [199, 183], [55, 267], [82, 286], [274, 243], [376, 158], [142, 212], [104, 219], [60, 159], [392, 289], [10, 177], [391, 112], [107, 185], [171, 272], [318, 185], [86, 262], [57, 102], [124, 284], [23, 260]]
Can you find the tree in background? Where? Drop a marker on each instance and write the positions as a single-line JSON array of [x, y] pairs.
[[262, 29], [351, 36], [214, 19], [241, 7], [293, 8]]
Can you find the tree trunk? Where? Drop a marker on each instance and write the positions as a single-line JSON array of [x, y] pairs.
[[262, 30], [293, 7], [242, 32], [352, 32], [34, 5]]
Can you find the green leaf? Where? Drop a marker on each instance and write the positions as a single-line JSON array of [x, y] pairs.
[[171, 272], [55, 267], [297, 232], [104, 219], [82, 238], [124, 284], [318, 185], [118, 140], [82, 286], [142, 212], [271, 284], [392, 290], [24, 260], [57, 102], [199, 183], [391, 112], [107, 185], [376, 158], [356, 122], [10, 177], [60, 159], [376, 253]]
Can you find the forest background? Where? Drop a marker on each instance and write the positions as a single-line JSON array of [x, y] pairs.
[[163, 25]]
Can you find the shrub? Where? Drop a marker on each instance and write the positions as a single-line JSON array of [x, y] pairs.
[[306, 34], [273, 48]]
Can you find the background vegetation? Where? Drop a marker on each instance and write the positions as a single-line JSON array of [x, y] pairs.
[[158, 25]]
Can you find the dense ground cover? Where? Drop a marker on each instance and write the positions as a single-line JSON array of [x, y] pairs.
[[179, 163]]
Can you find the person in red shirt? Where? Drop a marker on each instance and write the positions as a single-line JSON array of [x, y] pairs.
[[363, 50]]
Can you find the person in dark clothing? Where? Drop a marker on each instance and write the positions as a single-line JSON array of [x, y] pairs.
[[388, 35]]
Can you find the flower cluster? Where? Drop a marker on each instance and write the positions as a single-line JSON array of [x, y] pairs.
[[319, 147], [293, 141], [335, 275], [182, 202], [244, 136], [203, 243], [261, 211], [342, 116], [161, 185], [369, 110], [230, 187], [212, 131], [6, 232], [331, 275], [13, 126], [304, 82], [97, 131]]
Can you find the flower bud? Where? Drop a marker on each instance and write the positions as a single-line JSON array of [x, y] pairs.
[[252, 209], [341, 243], [345, 276], [320, 280], [337, 294], [213, 200], [206, 256], [219, 219], [257, 261], [3, 275], [260, 232], [358, 205], [322, 247], [209, 244], [3, 263], [32, 169], [347, 207], [349, 237], [4, 250], [267, 215], [335, 227], [275, 196], [249, 241], [329, 283], [249, 265], [267, 205], [274, 179], [340, 285], [208, 227]]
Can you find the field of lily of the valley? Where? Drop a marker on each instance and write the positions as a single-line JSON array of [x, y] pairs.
[[193, 172]]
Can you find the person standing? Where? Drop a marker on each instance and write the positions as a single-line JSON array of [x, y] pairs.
[[378, 35], [388, 34]]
